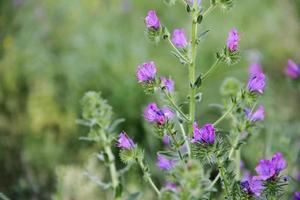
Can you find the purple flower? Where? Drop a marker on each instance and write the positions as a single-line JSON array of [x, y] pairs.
[[278, 162], [292, 70], [152, 21], [191, 2], [255, 69], [179, 38], [171, 186], [233, 40], [167, 83], [153, 114], [257, 83], [297, 196], [252, 186], [166, 140], [164, 163], [267, 169], [206, 134], [258, 115], [124, 141], [146, 72]]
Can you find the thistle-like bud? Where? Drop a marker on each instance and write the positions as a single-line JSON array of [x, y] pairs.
[[179, 38], [124, 142]]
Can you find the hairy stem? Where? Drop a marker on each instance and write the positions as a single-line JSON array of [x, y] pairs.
[[176, 144], [178, 52], [185, 139], [111, 159], [224, 115], [211, 69], [192, 66], [238, 164], [148, 177]]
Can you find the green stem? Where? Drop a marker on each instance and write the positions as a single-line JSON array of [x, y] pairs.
[[211, 69], [238, 163], [209, 9], [176, 144], [192, 90], [223, 176], [171, 100], [224, 115], [149, 179], [111, 159], [185, 139], [177, 51]]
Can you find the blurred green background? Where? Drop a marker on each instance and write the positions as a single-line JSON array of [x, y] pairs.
[[53, 51]]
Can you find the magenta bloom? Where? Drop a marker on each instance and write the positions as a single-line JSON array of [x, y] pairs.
[[267, 169], [257, 83], [152, 21], [292, 69], [146, 72], [164, 163], [191, 2], [171, 186], [255, 69], [258, 115], [179, 38], [298, 176], [167, 83], [233, 40], [252, 186], [124, 141], [154, 114], [205, 135], [297, 196]]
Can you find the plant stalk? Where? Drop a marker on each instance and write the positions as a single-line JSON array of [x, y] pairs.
[[149, 179]]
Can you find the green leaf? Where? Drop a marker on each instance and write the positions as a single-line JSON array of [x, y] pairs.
[[116, 123], [198, 81], [134, 196], [169, 154]]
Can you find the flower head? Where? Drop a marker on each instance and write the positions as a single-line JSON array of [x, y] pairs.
[[297, 196], [146, 72], [164, 163], [154, 114], [179, 38], [255, 69], [205, 135], [258, 115], [267, 169], [292, 69], [124, 141], [257, 83], [233, 40], [152, 21], [252, 186], [167, 83]]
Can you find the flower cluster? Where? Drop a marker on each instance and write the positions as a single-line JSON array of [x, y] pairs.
[[164, 163], [146, 72]]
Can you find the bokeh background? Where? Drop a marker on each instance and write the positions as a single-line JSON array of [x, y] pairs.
[[53, 51]]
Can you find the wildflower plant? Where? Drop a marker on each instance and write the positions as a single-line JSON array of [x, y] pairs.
[[201, 161]]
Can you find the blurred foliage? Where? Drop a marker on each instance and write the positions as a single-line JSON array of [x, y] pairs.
[[53, 51]]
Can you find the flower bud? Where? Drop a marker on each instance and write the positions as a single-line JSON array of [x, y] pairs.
[[124, 141], [233, 40], [179, 38], [152, 21], [168, 84], [258, 115], [146, 72], [292, 70], [257, 83], [164, 163]]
